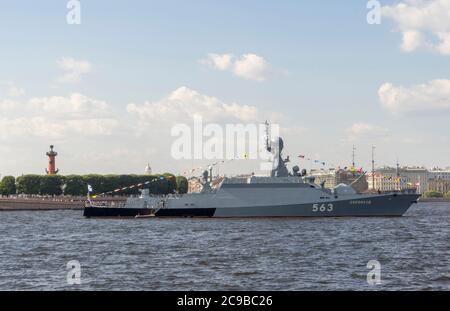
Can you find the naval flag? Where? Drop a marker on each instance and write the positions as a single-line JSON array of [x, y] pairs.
[[90, 188]]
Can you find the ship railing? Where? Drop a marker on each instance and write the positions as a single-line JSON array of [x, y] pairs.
[[104, 204]]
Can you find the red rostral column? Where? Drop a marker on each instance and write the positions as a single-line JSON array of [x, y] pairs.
[[51, 162]]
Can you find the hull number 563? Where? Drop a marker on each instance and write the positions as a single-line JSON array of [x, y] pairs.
[[322, 207]]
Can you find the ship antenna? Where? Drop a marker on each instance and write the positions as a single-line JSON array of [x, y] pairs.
[[373, 166], [353, 156], [267, 134]]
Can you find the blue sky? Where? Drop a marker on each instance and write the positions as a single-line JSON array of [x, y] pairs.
[[327, 66]]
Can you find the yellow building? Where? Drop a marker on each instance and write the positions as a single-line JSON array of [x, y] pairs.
[[388, 183], [416, 177]]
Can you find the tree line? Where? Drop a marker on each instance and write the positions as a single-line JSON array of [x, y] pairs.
[[76, 185]]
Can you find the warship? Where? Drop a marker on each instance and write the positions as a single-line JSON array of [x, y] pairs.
[[283, 193]]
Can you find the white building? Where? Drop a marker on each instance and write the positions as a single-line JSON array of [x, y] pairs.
[[388, 183], [439, 180], [439, 174]]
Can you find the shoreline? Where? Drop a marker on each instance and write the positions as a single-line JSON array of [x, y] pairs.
[[46, 204], [437, 200]]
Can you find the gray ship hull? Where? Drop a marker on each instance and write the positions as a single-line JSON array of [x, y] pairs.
[[391, 205]]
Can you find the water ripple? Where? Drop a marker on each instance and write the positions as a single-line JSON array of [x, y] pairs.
[[215, 254]]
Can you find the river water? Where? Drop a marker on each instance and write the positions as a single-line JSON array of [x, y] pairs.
[[224, 254]]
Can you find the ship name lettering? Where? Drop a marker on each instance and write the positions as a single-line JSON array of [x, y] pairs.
[[361, 202]]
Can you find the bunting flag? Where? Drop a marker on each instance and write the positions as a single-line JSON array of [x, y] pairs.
[[115, 191], [316, 161], [202, 168]]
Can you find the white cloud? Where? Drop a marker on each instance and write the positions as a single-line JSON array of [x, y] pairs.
[[248, 66], [252, 67], [56, 117], [75, 105], [219, 61], [15, 91], [11, 90], [7, 105], [418, 19], [88, 132], [112, 156], [30, 127], [93, 127], [361, 130], [293, 131], [185, 103], [434, 95], [48, 128], [74, 69]]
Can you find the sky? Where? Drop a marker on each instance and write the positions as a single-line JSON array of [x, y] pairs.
[[108, 91]]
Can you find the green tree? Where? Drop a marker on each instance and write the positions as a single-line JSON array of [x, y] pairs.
[[97, 182], [171, 182], [127, 181], [75, 185], [433, 194], [158, 184], [110, 182], [182, 184], [51, 185], [8, 185], [29, 184], [447, 195]]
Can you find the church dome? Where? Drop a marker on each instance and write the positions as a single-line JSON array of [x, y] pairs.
[[148, 170]]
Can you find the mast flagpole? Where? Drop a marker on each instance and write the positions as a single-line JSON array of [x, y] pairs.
[[373, 166]]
